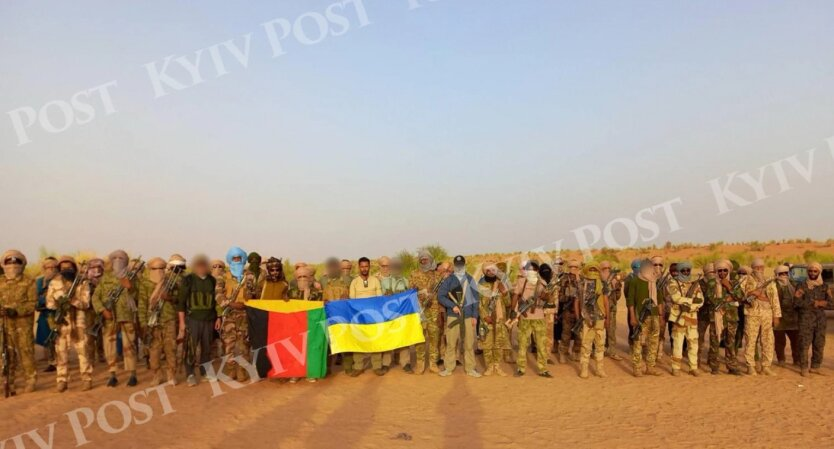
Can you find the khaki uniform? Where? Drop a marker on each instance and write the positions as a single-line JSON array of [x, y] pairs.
[[758, 321], [73, 330], [234, 329], [21, 294], [492, 311], [684, 318], [426, 284], [124, 319], [568, 293], [593, 331]]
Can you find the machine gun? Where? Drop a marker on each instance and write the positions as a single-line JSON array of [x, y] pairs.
[[63, 306], [166, 287], [647, 310], [750, 298], [113, 298], [227, 304]]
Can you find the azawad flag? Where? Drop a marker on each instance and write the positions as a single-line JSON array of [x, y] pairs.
[[288, 337], [378, 324]]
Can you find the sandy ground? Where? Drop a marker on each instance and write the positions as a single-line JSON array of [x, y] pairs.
[[409, 411]]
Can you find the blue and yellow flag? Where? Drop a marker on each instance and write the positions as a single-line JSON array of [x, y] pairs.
[[378, 324]]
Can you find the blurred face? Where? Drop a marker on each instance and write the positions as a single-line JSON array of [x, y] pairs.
[[574, 270], [385, 267], [237, 259], [156, 273], [201, 269], [364, 268], [673, 270], [333, 269], [119, 263], [346, 269], [396, 268], [49, 269], [424, 260]]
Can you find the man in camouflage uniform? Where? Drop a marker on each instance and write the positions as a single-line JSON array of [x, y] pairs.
[[426, 280], [531, 290], [95, 344], [722, 298], [336, 287], [161, 290], [641, 288], [494, 297], [812, 299], [305, 285], [704, 315], [788, 325], [568, 294], [231, 296], [686, 299], [594, 323], [18, 297], [123, 318], [612, 289], [72, 328], [551, 277], [331, 272], [762, 312]]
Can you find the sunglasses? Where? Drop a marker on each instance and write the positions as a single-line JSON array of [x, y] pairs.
[[157, 269], [215, 267], [782, 274], [12, 262], [813, 271], [658, 264], [723, 271]]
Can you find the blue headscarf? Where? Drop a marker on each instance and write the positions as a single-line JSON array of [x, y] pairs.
[[236, 268], [635, 266], [685, 265]]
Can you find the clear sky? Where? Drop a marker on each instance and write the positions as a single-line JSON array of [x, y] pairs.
[[480, 125]]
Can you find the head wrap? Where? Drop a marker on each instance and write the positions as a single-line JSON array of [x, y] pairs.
[[272, 264], [591, 271], [218, 262], [783, 280], [722, 264], [121, 268], [157, 262], [744, 269], [818, 281], [546, 272], [254, 260], [684, 266], [573, 264], [154, 265], [236, 268], [427, 266], [635, 267]]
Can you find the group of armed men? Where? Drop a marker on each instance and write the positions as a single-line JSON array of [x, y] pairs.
[[186, 316]]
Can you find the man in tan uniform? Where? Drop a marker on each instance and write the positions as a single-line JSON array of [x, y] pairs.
[[18, 298], [70, 323], [762, 311]]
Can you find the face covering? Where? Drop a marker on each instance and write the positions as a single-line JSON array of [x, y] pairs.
[[255, 264], [460, 271], [236, 267], [156, 276], [119, 266], [532, 277], [12, 272], [68, 274]]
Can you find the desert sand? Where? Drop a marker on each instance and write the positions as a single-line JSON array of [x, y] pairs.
[[411, 411]]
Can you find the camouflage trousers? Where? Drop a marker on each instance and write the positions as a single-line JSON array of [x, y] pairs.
[[164, 339], [526, 329], [497, 340], [235, 337], [611, 332], [681, 333], [730, 347], [21, 341], [568, 321], [649, 337], [754, 327], [593, 338], [128, 332], [77, 338], [549, 324], [811, 336], [431, 330]]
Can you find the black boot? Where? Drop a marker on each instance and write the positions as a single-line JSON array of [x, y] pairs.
[[113, 381]]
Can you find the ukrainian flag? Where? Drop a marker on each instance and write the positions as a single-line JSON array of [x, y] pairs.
[[378, 324]]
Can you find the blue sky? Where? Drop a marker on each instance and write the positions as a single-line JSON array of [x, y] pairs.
[[482, 126]]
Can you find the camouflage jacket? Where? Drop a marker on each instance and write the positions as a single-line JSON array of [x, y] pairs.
[[758, 307], [805, 303], [686, 299], [313, 295], [20, 294], [493, 301], [334, 289], [127, 306], [169, 308], [58, 288], [426, 284], [728, 303]]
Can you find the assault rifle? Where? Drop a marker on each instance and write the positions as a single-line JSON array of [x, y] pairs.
[[647, 310], [227, 304], [751, 297], [167, 287], [696, 284], [113, 298], [8, 371], [588, 311], [63, 306]]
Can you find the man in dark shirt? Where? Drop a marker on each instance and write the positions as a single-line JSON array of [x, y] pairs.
[[197, 310]]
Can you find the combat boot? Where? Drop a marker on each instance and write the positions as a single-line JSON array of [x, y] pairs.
[[694, 372], [420, 367], [490, 370], [241, 375], [62, 387], [30, 387], [751, 371], [601, 371], [433, 367], [230, 370], [112, 382], [157, 379], [636, 371], [132, 381], [652, 371], [767, 371], [87, 385], [499, 371], [583, 371], [676, 372]]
